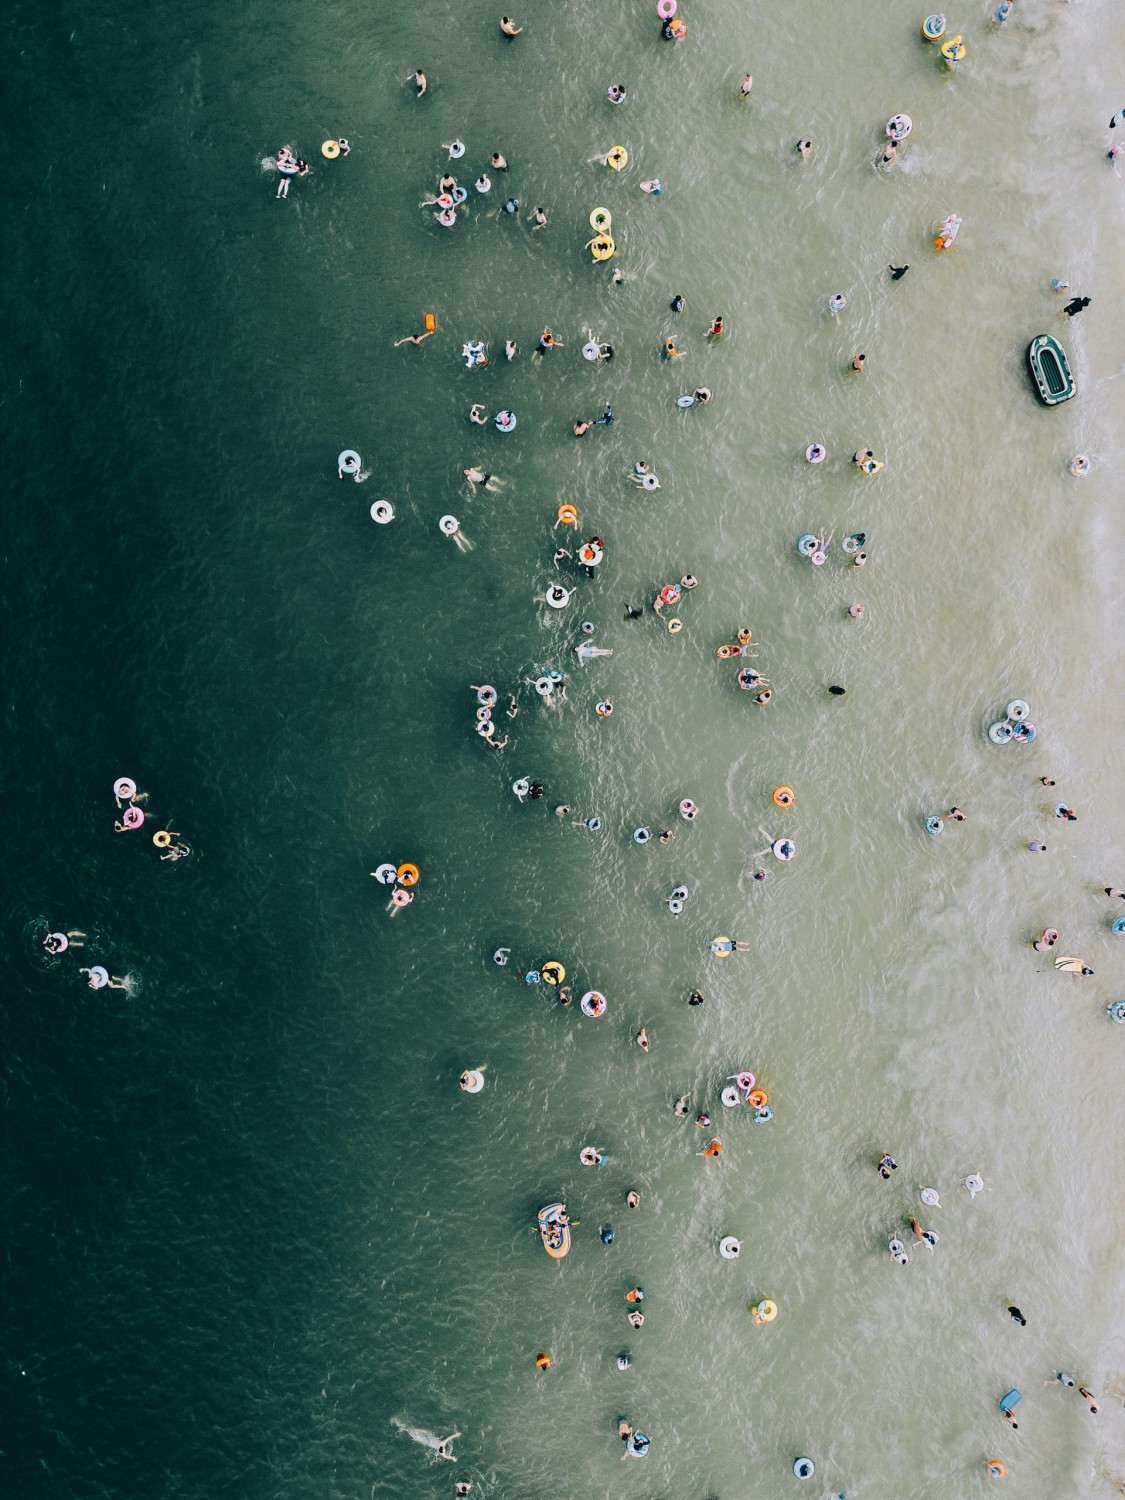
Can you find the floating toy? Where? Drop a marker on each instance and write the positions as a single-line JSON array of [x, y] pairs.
[[593, 1003]]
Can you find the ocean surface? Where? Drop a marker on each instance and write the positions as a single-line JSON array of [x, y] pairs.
[[252, 1230]]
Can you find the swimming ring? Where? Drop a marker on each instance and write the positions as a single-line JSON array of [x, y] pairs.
[[456, 149], [162, 838], [763, 1116], [604, 247], [124, 787], [593, 1003], [665, 9], [349, 461], [934, 826], [933, 28], [784, 796], [383, 512], [1117, 925], [132, 817], [590, 350], [675, 906], [401, 898], [472, 1081], [487, 695], [730, 1096], [806, 544], [601, 219], [757, 1098], [688, 809], [641, 835], [544, 686], [724, 653], [815, 453], [898, 127], [587, 627], [460, 194], [722, 947], [675, 626], [445, 200], [408, 874], [764, 1311], [557, 596], [505, 421], [330, 149], [996, 1468], [953, 50], [568, 515], [1023, 734], [670, 593], [521, 786], [804, 1468], [729, 1247], [783, 849], [650, 482], [449, 526], [1018, 710], [1079, 464], [385, 874], [617, 158], [595, 824], [1000, 732], [685, 401], [553, 972], [590, 555], [1116, 1010]]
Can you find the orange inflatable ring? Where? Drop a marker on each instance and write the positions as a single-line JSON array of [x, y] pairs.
[[408, 874], [757, 1098], [996, 1468], [724, 653], [542, 1360], [784, 796], [568, 515]]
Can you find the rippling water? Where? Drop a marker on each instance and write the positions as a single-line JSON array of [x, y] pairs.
[[251, 1224]]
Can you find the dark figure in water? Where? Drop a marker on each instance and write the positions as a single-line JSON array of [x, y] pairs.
[[837, 691], [898, 272], [1076, 305], [631, 613], [1017, 1316]]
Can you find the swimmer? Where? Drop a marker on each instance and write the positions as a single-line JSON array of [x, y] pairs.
[[623, 1361], [499, 744], [59, 942], [560, 553], [617, 93], [512, 206], [511, 349], [500, 957], [855, 611], [642, 1039], [689, 581], [887, 1165], [513, 708], [632, 613], [804, 149], [1111, 890], [703, 1119], [636, 1320], [509, 27], [478, 414], [1010, 1419], [414, 338], [477, 477], [98, 979], [616, 279], [1017, 1317], [745, 86], [666, 835], [670, 351], [605, 351], [716, 329], [499, 162], [624, 1431], [653, 186], [836, 304], [956, 814], [859, 363], [606, 418], [463, 1487], [837, 691], [418, 79], [1035, 847], [1068, 813], [701, 395], [695, 998], [540, 218], [632, 1199], [1090, 1400], [677, 303], [562, 810], [763, 698], [889, 155], [547, 341], [446, 183], [898, 272], [679, 1109], [581, 427]]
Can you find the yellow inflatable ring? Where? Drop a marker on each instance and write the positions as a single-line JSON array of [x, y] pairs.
[[568, 515], [553, 972], [675, 626], [757, 1098], [408, 874], [764, 1311], [953, 50], [784, 796], [331, 149], [724, 653], [601, 219], [617, 158], [604, 247], [162, 839]]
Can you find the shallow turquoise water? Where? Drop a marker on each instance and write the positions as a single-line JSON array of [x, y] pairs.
[[251, 1218]]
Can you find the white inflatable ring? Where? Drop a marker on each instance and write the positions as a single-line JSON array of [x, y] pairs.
[[729, 1247], [474, 1081], [449, 526], [382, 511], [730, 1096], [349, 461], [557, 596], [386, 874]]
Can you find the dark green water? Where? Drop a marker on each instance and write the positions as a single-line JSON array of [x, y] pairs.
[[249, 1220]]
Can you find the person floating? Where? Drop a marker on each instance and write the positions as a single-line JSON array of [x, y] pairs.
[[745, 86], [898, 272], [509, 27], [1076, 305], [59, 942]]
